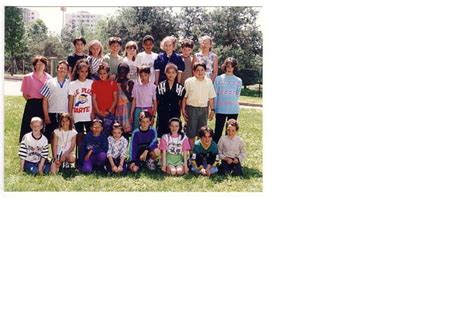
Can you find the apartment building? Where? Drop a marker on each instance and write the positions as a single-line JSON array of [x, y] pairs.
[[29, 15], [84, 18]]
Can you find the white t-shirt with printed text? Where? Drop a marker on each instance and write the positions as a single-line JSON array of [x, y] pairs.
[[82, 105]]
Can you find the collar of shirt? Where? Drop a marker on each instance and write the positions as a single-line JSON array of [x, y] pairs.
[[42, 80], [59, 82]]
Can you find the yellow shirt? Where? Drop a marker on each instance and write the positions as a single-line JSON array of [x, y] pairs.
[[199, 92]]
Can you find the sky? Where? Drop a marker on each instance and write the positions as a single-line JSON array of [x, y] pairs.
[[52, 16]]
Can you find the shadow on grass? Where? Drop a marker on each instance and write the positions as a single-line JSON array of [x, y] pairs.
[[155, 174], [252, 173], [69, 173], [249, 173]]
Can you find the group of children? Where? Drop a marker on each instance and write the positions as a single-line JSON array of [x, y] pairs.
[[103, 110]]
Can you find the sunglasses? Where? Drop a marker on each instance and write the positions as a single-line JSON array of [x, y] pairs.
[[131, 47]]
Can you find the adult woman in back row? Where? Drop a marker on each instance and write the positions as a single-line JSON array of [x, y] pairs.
[[30, 87]]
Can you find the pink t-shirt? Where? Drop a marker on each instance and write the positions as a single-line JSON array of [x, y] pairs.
[[32, 85], [144, 94], [174, 145]]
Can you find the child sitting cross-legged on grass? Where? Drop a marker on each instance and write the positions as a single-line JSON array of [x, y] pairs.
[[205, 156], [174, 148], [144, 145], [231, 150]]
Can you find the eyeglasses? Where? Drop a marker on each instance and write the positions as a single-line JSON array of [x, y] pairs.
[[131, 47]]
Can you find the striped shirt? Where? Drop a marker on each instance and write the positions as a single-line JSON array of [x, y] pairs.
[[228, 92], [33, 149], [57, 95], [95, 63]]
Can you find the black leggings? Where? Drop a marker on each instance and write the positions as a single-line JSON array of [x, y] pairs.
[[220, 123], [233, 169], [49, 129], [33, 107]]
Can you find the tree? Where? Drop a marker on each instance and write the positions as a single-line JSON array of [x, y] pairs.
[[36, 31], [66, 40], [236, 34], [36, 35], [52, 47], [133, 23], [99, 32], [193, 22], [15, 45]]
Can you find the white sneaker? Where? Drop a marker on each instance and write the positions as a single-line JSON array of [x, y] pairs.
[[150, 164]]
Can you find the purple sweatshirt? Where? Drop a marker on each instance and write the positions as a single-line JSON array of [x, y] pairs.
[[142, 140]]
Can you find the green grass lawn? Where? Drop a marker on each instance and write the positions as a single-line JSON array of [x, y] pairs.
[[250, 96], [250, 131]]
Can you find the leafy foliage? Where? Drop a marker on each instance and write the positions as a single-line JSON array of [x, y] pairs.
[[234, 30], [236, 35], [40, 42], [15, 43], [193, 22], [133, 23]]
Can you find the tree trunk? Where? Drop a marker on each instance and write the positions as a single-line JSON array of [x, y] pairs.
[[12, 67]]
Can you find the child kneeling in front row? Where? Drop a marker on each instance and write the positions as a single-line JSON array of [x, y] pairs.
[[118, 147], [34, 150], [64, 143], [231, 150], [144, 145], [93, 152], [174, 148], [205, 156]]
